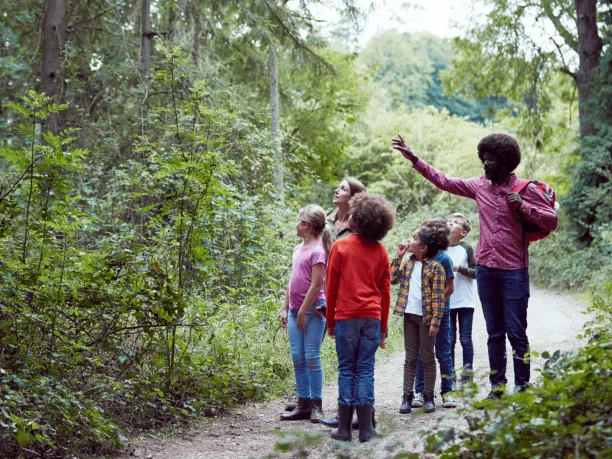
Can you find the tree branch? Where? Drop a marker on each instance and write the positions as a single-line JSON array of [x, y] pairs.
[[569, 39], [298, 42], [567, 72]]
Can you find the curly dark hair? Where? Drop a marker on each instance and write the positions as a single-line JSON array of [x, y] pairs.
[[504, 147], [373, 216], [434, 234]]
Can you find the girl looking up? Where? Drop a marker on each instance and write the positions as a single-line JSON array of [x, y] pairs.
[[305, 293]]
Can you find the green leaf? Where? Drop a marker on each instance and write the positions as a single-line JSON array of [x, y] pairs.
[[22, 437]]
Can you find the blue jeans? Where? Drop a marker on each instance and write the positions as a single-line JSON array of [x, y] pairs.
[[356, 343], [306, 352], [465, 317], [504, 295], [443, 355]]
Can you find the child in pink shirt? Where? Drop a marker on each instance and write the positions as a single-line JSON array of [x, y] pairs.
[[306, 327]]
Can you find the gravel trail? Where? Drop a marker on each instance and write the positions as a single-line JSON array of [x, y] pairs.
[[251, 432]]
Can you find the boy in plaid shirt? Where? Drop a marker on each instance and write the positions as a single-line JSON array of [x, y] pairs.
[[421, 303]]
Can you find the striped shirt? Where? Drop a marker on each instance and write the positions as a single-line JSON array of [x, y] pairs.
[[432, 288], [502, 241]]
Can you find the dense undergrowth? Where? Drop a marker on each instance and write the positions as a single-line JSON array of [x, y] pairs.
[[567, 413], [157, 301]]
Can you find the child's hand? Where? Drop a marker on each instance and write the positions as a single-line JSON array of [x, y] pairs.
[[331, 332], [283, 318], [456, 268], [382, 344], [402, 248], [433, 330], [301, 321]]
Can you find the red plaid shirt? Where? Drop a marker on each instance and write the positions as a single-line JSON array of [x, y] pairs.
[[502, 240]]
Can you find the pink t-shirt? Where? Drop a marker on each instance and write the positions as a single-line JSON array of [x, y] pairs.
[[304, 258]]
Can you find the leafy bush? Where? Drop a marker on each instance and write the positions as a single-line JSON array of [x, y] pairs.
[[561, 262], [141, 312], [568, 414]]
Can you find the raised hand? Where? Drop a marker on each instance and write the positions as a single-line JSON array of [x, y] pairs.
[[400, 145]]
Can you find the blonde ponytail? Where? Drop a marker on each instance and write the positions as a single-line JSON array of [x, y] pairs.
[[328, 240], [317, 219]]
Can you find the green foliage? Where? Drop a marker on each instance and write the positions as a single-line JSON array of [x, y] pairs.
[[149, 311], [560, 262], [590, 199], [408, 68], [567, 415]]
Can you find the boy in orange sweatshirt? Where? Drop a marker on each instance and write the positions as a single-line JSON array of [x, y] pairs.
[[358, 298]]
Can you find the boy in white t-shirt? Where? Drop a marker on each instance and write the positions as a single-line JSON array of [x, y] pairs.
[[462, 300]]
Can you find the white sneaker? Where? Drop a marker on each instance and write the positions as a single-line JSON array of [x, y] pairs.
[[448, 401], [417, 402]]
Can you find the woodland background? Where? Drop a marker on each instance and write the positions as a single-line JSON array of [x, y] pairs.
[[154, 155]]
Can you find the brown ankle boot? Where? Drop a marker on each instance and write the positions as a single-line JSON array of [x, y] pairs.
[[301, 411], [316, 413]]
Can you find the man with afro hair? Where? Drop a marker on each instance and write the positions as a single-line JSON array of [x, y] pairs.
[[358, 297], [502, 253]]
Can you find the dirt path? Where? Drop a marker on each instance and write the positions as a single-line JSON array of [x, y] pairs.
[[554, 322]]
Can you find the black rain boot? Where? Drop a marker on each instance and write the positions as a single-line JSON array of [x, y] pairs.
[[290, 406], [345, 419], [330, 422], [429, 405], [316, 413], [292, 403], [366, 429], [406, 406], [301, 411]]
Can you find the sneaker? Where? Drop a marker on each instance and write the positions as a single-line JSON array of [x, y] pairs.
[[448, 401], [418, 401], [521, 388]]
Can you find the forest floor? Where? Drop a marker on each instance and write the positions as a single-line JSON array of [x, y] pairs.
[[252, 431]]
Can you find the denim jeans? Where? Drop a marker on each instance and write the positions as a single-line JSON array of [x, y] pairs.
[[356, 343], [443, 355], [465, 316], [504, 295], [306, 352]]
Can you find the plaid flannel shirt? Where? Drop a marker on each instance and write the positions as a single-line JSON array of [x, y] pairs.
[[432, 288]]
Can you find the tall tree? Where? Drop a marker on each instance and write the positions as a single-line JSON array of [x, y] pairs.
[[517, 56], [146, 36], [275, 116], [53, 41], [590, 46]]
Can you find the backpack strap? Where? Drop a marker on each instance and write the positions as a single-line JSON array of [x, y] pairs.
[[520, 186]]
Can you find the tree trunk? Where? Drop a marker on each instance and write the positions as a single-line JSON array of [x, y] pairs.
[[276, 134], [589, 50], [195, 48], [54, 37], [146, 37]]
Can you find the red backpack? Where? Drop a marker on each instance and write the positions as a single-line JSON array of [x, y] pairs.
[[532, 231]]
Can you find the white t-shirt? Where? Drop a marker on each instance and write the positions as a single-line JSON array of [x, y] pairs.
[[463, 296], [415, 302]]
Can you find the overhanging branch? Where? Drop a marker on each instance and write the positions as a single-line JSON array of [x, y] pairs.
[[569, 39]]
